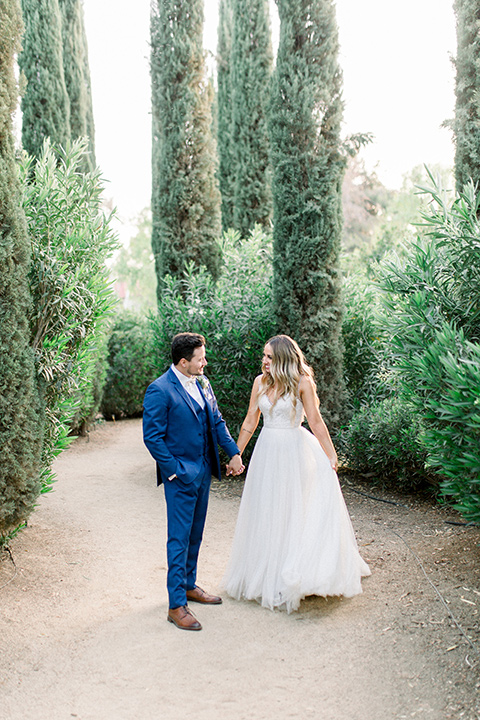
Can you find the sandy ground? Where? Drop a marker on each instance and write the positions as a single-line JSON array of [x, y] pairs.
[[83, 631]]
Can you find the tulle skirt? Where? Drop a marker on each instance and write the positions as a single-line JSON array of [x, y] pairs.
[[293, 536]]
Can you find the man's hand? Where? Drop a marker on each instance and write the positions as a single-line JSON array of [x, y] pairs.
[[235, 466]]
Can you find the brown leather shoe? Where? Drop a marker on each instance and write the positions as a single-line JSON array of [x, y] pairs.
[[183, 618], [200, 596]]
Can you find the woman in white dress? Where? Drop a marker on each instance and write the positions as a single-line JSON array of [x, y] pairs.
[[293, 536]]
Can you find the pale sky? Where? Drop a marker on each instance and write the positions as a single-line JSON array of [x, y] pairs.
[[398, 84]]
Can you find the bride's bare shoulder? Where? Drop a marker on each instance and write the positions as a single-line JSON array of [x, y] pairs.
[[306, 385], [305, 382], [256, 384]]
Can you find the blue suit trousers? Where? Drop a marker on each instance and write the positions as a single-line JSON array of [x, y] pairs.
[[186, 512]]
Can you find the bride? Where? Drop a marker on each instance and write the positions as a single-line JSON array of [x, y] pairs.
[[293, 536]]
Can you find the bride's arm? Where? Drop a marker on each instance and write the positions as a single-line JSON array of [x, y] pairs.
[[252, 417], [309, 399]]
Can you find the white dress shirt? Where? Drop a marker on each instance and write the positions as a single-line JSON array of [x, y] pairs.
[[190, 385]]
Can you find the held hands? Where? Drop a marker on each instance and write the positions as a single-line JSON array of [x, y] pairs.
[[235, 466], [334, 461]]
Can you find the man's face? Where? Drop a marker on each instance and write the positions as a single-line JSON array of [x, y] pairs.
[[196, 364]]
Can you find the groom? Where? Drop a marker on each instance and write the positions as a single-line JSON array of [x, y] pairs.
[[182, 428]]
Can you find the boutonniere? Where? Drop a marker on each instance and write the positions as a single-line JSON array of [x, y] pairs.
[[205, 383]]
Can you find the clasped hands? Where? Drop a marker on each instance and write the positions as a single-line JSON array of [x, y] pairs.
[[235, 466]]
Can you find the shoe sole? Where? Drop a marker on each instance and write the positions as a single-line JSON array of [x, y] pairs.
[[171, 620], [202, 602]]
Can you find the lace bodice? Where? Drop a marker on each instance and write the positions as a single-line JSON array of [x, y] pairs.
[[281, 416]]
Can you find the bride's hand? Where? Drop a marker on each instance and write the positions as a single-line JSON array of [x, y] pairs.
[[334, 462], [235, 466]]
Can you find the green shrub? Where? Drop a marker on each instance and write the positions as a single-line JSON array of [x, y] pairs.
[[130, 367], [446, 394], [92, 383], [367, 357], [433, 317], [72, 299], [381, 442]]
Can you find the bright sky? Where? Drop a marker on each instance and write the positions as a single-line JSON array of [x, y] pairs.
[[398, 84]]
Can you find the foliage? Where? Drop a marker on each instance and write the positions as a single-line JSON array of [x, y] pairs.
[[130, 366], [185, 195], [449, 373], [251, 67], [94, 376], [234, 315], [381, 442], [226, 163], [367, 359], [433, 316], [71, 240], [77, 75], [6, 537], [134, 267], [467, 83], [20, 411], [45, 104], [308, 165]]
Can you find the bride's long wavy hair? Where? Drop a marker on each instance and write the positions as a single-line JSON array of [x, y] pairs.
[[287, 367]]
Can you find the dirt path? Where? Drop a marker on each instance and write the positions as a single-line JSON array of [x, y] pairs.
[[84, 635]]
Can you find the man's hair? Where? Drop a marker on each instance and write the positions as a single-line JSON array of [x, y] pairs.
[[184, 345]]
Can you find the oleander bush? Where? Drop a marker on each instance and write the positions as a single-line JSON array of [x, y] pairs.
[[431, 298], [71, 240], [95, 373]]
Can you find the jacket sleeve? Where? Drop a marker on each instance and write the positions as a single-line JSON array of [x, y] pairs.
[[224, 438], [155, 413]]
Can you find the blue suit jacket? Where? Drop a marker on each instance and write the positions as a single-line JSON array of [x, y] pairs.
[[172, 430]]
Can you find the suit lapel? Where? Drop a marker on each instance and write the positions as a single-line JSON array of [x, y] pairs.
[[207, 404], [182, 392]]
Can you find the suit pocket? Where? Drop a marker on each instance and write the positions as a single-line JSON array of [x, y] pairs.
[[187, 471]]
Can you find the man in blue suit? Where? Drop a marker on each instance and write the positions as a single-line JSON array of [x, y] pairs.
[[182, 428]]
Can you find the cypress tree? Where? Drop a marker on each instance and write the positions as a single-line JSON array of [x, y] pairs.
[[77, 74], [45, 104], [467, 86], [20, 416], [185, 195], [308, 167], [251, 68], [226, 163]]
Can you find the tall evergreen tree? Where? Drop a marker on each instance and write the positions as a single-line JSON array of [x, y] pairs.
[[77, 74], [251, 68], [20, 416], [45, 104], [226, 162], [305, 116], [185, 195], [467, 88]]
